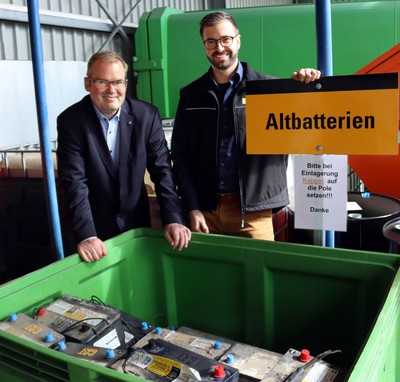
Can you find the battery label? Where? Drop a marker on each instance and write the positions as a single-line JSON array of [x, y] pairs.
[[152, 367], [75, 313], [87, 352], [60, 307], [202, 343], [140, 359], [321, 372], [128, 337], [108, 341], [164, 366], [251, 361], [79, 314], [32, 329]]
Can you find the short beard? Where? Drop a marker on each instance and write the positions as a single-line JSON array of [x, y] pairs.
[[223, 66]]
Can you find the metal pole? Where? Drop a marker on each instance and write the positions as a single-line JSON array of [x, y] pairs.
[[325, 64], [42, 115], [324, 36]]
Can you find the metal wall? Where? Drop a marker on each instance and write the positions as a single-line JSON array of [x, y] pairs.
[[117, 8], [255, 3], [73, 29], [59, 44]]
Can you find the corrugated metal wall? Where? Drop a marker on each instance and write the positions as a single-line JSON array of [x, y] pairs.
[[255, 3], [78, 43], [117, 8], [59, 44]]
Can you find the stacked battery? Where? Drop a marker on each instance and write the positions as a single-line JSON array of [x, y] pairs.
[[91, 330]]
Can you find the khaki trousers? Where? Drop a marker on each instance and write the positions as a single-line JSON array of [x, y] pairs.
[[227, 219]]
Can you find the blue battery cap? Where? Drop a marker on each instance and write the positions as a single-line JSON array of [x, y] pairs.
[[217, 344], [145, 325], [110, 354], [13, 317], [61, 346], [157, 330], [230, 358], [48, 337]]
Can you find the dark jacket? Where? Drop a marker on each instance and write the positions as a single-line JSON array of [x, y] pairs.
[[262, 178], [104, 199]]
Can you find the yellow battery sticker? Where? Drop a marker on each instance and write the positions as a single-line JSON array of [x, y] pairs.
[[33, 329], [75, 315], [163, 366], [88, 352]]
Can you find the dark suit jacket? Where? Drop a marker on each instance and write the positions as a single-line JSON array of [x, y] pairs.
[[104, 199]]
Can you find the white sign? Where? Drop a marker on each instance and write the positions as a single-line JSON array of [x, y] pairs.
[[320, 192]]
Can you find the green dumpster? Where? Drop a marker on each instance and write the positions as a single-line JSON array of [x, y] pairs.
[[272, 295], [275, 39]]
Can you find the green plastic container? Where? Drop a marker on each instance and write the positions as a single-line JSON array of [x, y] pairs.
[[276, 40], [273, 295]]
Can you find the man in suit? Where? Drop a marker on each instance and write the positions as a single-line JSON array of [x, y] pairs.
[[105, 143]]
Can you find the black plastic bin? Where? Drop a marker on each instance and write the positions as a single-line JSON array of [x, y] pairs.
[[364, 227]]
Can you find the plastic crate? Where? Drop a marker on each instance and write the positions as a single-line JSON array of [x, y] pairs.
[[272, 295]]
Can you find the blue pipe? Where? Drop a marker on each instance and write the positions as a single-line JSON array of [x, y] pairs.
[[44, 136], [325, 65], [324, 36]]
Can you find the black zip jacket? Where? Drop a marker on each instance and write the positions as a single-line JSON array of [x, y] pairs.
[[262, 178]]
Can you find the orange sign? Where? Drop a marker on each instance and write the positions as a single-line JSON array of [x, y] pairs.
[[335, 115]]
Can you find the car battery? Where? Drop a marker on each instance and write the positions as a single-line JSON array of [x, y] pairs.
[[122, 333], [314, 370], [28, 328], [204, 345], [251, 361], [153, 368], [162, 360], [79, 320]]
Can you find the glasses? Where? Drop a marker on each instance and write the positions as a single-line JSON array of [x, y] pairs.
[[104, 84], [225, 41]]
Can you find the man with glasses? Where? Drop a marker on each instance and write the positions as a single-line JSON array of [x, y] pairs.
[[105, 143], [224, 189]]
